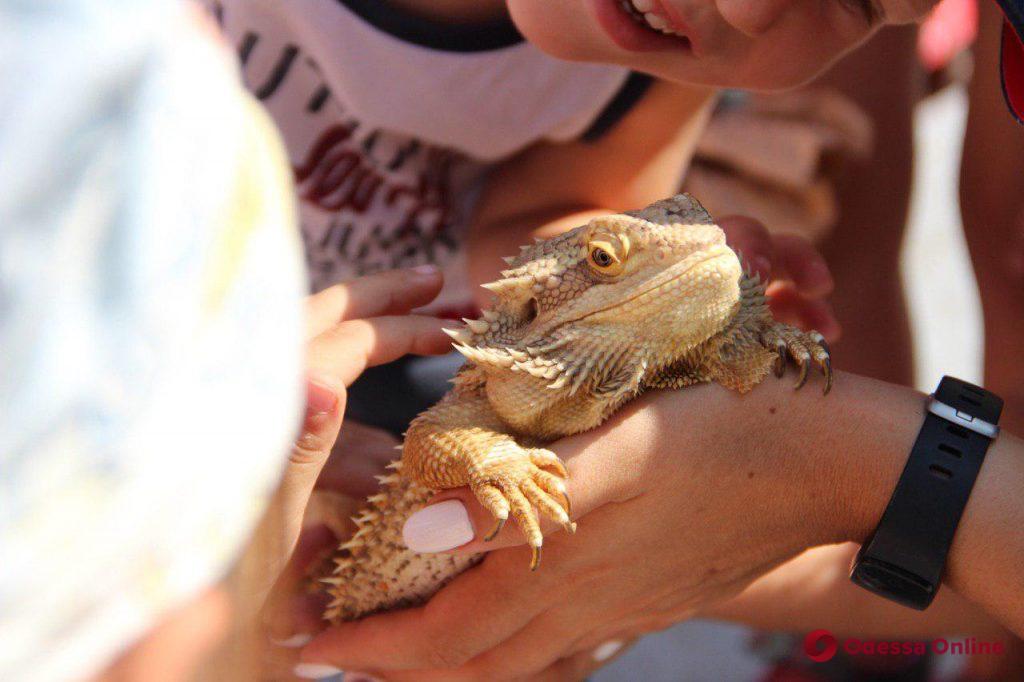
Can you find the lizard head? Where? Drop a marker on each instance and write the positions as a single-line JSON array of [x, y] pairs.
[[657, 282]]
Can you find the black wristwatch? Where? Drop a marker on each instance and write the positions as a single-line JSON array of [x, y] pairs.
[[904, 558]]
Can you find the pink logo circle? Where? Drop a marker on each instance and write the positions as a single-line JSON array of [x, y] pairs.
[[820, 645]]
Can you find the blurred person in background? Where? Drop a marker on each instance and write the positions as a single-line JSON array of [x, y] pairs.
[[152, 327]]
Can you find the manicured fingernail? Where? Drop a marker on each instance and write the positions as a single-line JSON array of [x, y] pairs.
[[293, 642], [607, 650], [320, 399], [315, 671], [438, 528], [427, 270]]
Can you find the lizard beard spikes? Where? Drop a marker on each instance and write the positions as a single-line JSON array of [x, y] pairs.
[[573, 335]]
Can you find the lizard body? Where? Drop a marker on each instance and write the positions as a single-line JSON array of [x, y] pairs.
[[581, 323]]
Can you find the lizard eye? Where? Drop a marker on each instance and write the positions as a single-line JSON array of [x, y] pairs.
[[605, 258], [602, 258]]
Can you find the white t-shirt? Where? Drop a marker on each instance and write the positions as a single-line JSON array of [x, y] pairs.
[[391, 121]]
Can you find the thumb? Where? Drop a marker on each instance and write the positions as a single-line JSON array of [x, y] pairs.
[[278, 531], [320, 427], [455, 521], [599, 473]]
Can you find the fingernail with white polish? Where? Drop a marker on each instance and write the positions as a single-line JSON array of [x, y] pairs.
[[293, 642], [438, 528], [315, 671], [607, 650]]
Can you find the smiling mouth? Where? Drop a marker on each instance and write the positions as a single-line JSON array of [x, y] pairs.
[[642, 12], [643, 26]]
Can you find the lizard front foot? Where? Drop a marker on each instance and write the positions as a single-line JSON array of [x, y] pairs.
[[517, 479], [803, 347]]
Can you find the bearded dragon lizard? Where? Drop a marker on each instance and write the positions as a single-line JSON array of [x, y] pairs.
[[581, 323]]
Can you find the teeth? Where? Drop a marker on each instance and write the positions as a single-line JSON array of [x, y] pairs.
[[656, 22], [641, 11]]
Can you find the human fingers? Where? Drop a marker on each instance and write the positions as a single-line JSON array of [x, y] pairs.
[[535, 647], [611, 463], [796, 259], [291, 608], [567, 625], [360, 454], [749, 238], [582, 664], [343, 351], [335, 358], [393, 292], [274, 539], [790, 307], [478, 610]]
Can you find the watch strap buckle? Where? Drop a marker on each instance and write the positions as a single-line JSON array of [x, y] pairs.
[[967, 421]]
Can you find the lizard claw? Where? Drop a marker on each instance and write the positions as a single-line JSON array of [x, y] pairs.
[[803, 348], [535, 558], [515, 484], [802, 378], [826, 369], [823, 356], [497, 529], [780, 360]]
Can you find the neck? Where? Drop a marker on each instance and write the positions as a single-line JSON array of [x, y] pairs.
[[455, 11]]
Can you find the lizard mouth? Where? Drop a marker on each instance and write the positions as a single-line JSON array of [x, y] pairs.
[[665, 279]]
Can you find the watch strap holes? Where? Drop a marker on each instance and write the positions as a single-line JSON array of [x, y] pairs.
[[941, 472], [958, 431], [968, 399], [950, 450]]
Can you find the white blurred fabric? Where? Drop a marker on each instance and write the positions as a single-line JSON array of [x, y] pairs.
[[150, 324]]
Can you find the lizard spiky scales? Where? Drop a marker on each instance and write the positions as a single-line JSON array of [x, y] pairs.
[[581, 323]]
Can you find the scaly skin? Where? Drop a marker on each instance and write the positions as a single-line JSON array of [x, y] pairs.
[[581, 324]]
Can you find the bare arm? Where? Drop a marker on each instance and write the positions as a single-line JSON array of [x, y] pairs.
[[868, 432], [813, 590], [830, 465], [710, 491]]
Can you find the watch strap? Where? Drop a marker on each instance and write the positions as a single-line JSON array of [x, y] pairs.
[[904, 558]]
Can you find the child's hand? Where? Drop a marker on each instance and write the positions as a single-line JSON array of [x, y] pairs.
[[799, 276], [351, 326], [361, 453]]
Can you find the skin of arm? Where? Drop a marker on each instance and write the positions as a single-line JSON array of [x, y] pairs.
[[684, 499], [984, 562], [813, 590], [550, 188], [983, 579], [881, 422]]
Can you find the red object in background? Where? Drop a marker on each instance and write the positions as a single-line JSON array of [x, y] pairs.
[[1013, 71], [950, 28]]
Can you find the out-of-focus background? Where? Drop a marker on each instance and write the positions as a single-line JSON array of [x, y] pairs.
[[947, 327]]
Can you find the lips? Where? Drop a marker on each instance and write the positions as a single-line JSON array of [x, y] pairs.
[[652, 14], [642, 25]]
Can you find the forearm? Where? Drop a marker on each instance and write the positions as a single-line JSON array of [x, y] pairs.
[[814, 591], [849, 450]]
